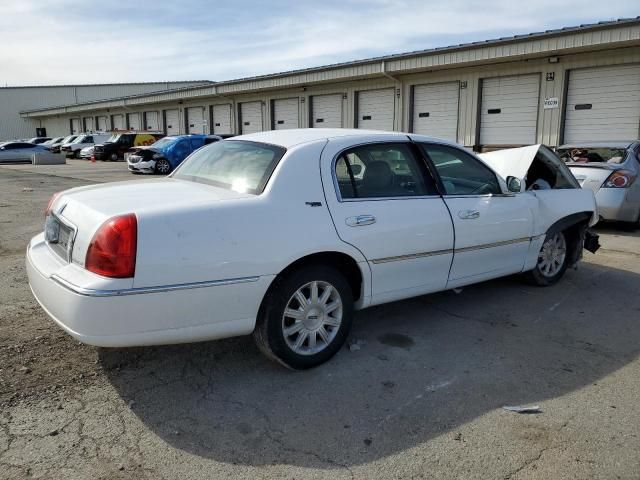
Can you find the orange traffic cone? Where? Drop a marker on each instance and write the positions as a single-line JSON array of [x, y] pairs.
[[93, 159]]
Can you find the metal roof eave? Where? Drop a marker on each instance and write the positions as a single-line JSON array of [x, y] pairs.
[[556, 42]]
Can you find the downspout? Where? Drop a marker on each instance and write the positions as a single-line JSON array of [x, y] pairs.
[[386, 74], [397, 90]]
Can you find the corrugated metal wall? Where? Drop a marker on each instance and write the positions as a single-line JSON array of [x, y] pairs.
[[552, 80], [13, 100]]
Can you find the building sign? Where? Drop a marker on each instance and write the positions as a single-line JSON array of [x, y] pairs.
[[551, 103]]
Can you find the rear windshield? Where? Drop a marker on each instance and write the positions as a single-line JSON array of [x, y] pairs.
[[592, 155], [235, 165]]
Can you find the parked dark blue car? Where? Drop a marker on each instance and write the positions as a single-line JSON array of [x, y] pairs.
[[167, 153]]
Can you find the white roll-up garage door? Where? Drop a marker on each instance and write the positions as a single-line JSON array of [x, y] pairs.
[[88, 124], [102, 123], [326, 111], [435, 110], [118, 121], [509, 112], [195, 120], [172, 121], [151, 121], [134, 121], [75, 125], [251, 117], [603, 104], [375, 109], [222, 119], [285, 113]]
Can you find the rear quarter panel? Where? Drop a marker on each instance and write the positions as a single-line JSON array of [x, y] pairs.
[[242, 237]]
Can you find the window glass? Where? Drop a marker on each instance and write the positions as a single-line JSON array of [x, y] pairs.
[[235, 165], [461, 174], [593, 155], [381, 170]]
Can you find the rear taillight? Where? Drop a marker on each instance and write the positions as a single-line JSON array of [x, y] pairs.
[[52, 200], [112, 251], [620, 179]]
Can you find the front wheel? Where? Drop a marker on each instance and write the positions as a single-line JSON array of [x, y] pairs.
[[163, 167], [306, 317], [552, 261]]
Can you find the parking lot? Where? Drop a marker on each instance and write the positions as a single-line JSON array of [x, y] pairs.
[[419, 394]]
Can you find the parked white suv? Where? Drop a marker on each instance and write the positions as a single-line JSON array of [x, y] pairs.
[[73, 148]]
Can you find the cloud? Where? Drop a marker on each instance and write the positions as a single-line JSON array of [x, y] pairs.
[[60, 41]]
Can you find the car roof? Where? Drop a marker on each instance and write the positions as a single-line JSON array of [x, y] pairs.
[[297, 136], [611, 144]]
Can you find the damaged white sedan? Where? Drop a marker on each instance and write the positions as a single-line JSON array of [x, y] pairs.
[[285, 234]]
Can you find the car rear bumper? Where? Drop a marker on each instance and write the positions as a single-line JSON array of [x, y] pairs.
[[613, 204], [136, 317]]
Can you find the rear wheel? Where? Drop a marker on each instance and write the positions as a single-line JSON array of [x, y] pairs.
[[552, 261], [113, 157], [163, 167], [306, 317]]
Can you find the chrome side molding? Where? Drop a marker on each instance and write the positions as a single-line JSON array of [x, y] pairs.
[[90, 292]]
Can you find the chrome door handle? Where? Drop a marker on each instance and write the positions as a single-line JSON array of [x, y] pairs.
[[360, 220], [468, 214]]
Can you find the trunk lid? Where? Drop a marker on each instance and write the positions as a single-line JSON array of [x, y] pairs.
[[87, 208], [592, 176]]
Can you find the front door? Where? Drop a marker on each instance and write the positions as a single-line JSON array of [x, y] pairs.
[[384, 203], [493, 229]]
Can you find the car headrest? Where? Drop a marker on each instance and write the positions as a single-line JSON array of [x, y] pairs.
[[377, 175]]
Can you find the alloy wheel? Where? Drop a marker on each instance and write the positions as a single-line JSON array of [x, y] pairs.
[[163, 167], [312, 318], [552, 255]]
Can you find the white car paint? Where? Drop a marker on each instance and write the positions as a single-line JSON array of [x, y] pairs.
[[207, 255]]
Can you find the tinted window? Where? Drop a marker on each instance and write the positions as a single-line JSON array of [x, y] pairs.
[[235, 165], [18, 146], [593, 155], [460, 173], [381, 170]]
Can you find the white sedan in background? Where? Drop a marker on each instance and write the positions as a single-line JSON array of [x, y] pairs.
[[285, 234]]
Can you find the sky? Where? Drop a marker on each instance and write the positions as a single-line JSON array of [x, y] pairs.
[[44, 42]]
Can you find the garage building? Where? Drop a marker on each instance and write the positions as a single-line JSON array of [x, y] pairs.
[[571, 84]]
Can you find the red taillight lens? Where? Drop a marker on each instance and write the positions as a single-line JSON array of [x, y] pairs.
[[620, 179], [112, 251], [51, 202]]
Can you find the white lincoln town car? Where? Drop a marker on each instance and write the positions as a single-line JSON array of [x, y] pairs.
[[285, 234]]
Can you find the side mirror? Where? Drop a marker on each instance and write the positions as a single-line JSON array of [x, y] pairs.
[[356, 169], [515, 185]]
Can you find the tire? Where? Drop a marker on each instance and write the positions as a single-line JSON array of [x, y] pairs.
[[553, 261], [315, 332], [163, 167], [113, 157]]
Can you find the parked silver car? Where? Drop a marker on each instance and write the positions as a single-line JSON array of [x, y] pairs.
[[19, 152], [55, 147], [611, 170]]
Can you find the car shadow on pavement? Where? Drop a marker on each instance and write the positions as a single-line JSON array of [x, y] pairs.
[[420, 368]]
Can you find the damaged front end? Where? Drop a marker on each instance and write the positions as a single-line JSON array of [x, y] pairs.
[[562, 204], [143, 160]]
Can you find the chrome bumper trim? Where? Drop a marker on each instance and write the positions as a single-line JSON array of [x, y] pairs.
[[90, 292]]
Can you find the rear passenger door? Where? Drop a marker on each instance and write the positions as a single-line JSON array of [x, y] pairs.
[[384, 202], [492, 229]]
